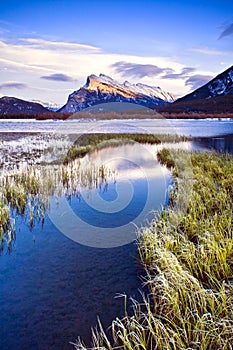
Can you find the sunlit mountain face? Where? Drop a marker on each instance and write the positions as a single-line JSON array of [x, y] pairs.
[[101, 89]]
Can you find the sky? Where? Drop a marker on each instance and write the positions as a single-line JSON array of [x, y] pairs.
[[49, 47]]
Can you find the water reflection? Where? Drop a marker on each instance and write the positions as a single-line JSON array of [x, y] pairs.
[[106, 217], [223, 144]]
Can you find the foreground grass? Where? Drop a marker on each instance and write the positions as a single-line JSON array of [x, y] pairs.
[[187, 253]]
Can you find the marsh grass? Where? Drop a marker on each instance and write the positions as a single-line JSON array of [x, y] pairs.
[[188, 262], [88, 142], [27, 192], [96, 138]]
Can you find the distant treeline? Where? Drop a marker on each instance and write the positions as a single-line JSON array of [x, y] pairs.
[[43, 116], [106, 115]]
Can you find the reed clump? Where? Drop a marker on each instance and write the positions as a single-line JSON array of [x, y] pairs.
[[187, 253], [27, 191]]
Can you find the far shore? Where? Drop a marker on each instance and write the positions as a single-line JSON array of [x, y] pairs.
[[130, 114]]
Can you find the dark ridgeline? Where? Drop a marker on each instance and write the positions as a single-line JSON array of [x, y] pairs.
[[16, 106]]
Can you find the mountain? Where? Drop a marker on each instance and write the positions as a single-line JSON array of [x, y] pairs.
[[104, 89], [51, 106], [221, 85], [15, 106], [212, 98]]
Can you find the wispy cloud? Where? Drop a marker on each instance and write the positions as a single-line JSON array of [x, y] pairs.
[[196, 81], [207, 51], [13, 85], [57, 45], [5, 27], [182, 75], [17, 63], [228, 30], [139, 70], [59, 77], [47, 56]]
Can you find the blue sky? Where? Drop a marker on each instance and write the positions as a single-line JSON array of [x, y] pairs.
[[47, 48]]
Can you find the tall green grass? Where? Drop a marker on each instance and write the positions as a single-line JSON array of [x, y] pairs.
[[187, 253]]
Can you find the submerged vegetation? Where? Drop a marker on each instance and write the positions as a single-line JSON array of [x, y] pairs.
[[187, 253]]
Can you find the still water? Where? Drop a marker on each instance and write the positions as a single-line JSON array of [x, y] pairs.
[[203, 127], [56, 282]]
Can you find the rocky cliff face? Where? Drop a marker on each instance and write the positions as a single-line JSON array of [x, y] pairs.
[[104, 89]]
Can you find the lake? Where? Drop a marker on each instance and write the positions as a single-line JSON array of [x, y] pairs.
[[68, 270], [203, 127]]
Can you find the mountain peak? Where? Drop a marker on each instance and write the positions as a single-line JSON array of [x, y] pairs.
[[93, 81], [102, 88]]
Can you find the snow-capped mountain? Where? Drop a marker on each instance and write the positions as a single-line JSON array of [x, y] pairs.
[[12, 105], [221, 85], [51, 106], [101, 89]]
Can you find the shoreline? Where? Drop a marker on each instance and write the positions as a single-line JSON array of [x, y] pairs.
[[83, 116]]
